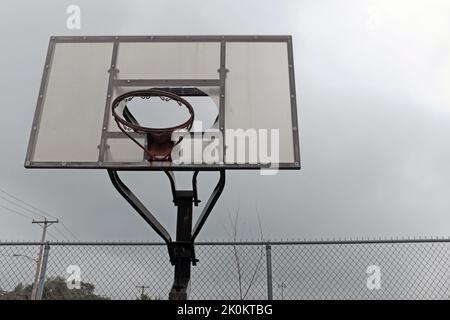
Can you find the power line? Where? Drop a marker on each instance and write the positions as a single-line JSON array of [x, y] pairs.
[[62, 234], [17, 212], [27, 204], [51, 235], [22, 207], [36, 211], [68, 230], [18, 205]]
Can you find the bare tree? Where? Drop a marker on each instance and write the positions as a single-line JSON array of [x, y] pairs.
[[244, 290]]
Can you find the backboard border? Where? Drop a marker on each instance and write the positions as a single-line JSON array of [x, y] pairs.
[[145, 166]]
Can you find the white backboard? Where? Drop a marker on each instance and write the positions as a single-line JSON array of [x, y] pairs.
[[246, 83]]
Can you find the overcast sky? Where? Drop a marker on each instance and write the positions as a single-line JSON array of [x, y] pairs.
[[373, 80]]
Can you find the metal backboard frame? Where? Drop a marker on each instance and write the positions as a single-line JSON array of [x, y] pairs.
[[115, 40]]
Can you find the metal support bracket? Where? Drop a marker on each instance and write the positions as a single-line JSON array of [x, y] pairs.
[[181, 251], [215, 195], [173, 187], [138, 206]]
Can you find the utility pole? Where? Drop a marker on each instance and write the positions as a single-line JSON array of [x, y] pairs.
[[142, 290], [44, 224]]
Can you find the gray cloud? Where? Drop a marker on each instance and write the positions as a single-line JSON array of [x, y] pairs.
[[372, 77]]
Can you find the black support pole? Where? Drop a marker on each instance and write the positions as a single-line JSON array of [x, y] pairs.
[[183, 249]]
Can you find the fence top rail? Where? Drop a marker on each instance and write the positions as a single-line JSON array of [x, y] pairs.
[[237, 243]]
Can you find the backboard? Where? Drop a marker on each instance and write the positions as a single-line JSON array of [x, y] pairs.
[[241, 90]]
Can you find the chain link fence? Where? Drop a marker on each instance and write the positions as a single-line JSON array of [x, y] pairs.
[[385, 269]]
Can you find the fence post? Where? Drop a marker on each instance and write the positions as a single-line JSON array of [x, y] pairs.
[[269, 272], [40, 288]]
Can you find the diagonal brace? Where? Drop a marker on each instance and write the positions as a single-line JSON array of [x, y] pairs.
[[209, 205], [138, 206]]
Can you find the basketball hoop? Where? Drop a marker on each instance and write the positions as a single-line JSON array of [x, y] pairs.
[[159, 143]]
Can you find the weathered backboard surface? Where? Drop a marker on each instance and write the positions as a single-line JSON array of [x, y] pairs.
[[248, 80]]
